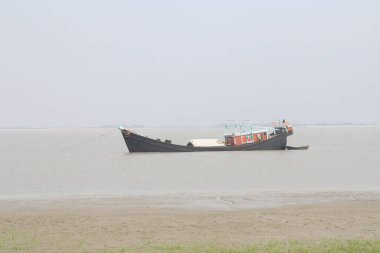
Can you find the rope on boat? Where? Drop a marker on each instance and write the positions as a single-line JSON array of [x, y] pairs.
[[90, 140]]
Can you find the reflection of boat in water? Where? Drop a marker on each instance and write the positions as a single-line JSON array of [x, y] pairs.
[[237, 137]]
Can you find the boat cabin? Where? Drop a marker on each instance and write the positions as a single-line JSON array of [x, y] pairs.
[[239, 133], [243, 132]]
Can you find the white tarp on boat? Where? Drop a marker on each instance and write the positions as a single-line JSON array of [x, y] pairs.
[[206, 142]]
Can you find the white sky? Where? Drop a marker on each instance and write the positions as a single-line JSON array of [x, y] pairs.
[[89, 63]]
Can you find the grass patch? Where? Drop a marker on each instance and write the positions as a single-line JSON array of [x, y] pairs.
[[331, 246], [9, 243]]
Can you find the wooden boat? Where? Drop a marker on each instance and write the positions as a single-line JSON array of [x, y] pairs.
[[258, 138], [297, 148]]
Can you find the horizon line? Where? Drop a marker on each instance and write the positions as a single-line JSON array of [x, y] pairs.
[[171, 126]]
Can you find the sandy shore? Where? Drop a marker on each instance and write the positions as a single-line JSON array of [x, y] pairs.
[[96, 223]]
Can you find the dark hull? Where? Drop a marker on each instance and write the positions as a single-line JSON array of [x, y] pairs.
[[138, 143]]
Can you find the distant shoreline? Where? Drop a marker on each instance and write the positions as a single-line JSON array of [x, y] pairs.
[[176, 127]]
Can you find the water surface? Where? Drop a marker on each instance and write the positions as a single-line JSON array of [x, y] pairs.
[[66, 162]]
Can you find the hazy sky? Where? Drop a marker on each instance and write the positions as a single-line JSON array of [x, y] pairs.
[[89, 63]]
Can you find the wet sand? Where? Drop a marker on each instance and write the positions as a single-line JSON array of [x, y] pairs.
[[97, 223]]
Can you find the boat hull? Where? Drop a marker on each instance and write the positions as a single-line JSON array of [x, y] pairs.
[[138, 143]]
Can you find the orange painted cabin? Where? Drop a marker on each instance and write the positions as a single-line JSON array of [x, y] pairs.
[[244, 139]]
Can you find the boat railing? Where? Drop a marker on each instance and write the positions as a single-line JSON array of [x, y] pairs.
[[233, 127]]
